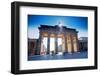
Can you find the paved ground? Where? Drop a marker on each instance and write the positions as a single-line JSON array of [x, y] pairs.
[[80, 55]]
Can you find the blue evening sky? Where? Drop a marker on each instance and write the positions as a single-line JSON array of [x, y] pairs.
[[76, 22]]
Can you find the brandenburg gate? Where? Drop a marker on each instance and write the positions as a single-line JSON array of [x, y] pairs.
[[49, 37]]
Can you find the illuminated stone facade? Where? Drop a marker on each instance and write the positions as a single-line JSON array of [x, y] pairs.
[[68, 37]]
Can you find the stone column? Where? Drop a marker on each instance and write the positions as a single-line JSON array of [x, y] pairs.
[[48, 44], [56, 44], [72, 44], [39, 45], [63, 43], [66, 49], [77, 43]]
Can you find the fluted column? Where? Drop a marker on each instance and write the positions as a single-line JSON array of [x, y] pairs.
[[77, 43], [48, 44], [56, 44], [39, 45], [66, 50], [72, 44]]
